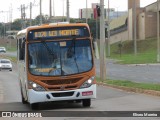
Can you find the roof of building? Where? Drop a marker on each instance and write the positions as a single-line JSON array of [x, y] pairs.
[[115, 23], [152, 7]]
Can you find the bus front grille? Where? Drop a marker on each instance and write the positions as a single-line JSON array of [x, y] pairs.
[[62, 88], [62, 94], [68, 84]]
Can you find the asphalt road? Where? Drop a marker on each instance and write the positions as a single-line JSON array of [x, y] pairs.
[[148, 73], [13, 54], [108, 99]]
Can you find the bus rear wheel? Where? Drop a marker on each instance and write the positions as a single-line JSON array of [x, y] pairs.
[[86, 102]]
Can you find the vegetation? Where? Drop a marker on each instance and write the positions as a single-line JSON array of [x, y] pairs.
[[13, 59], [130, 84], [146, 51]]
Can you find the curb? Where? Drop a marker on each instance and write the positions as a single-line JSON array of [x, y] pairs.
[[135, 90], [154, 64]]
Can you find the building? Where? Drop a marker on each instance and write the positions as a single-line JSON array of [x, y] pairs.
[[90, 12], [83, 13], [147, 22], [122, 28]]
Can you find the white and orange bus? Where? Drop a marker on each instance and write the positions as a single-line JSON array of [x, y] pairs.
[[56, 63]]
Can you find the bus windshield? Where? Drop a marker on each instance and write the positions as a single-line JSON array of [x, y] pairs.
[[59, 58]]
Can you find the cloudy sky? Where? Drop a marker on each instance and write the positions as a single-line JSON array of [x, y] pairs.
[[59, 7]]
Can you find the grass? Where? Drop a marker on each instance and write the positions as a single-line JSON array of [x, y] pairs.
[[130, 84], [146, 52], [11, 49], [13, 59]]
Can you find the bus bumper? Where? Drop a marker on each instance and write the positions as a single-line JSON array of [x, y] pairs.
[[48, 96]]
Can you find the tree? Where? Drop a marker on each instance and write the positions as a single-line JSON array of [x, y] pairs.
[[37, 20], [16, 25]]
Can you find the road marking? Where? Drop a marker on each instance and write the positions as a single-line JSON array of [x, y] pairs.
[[1, 92]]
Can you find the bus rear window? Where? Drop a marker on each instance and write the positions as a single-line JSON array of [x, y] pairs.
[[59, 32]]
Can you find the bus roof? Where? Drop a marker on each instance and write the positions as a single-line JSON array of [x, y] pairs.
[[60, 24]]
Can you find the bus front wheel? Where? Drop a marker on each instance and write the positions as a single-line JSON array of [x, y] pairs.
[[22, 97], [86, 102], [23, 100]]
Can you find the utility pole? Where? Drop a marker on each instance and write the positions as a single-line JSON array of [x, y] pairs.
[[40, 12], [30, 13], [23, 16], [10, 17], [158, 40], [108, 40], [96, 27], [50, 8], [86, 11], [68, 17], [102, 43], [63, 10], [135, 28], [53, 9]]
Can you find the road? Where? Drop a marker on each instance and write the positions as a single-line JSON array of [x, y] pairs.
[[108, 99], [137, 73], [13, 54]]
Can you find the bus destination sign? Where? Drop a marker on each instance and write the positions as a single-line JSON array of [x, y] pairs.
[[56, 33]]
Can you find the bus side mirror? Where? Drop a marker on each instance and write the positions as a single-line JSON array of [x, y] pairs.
[[95, 48]]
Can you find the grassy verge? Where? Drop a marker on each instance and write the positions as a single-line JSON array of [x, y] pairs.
[[140, 58], [13, 59], [146, 52], [11, 49], [130, 84]]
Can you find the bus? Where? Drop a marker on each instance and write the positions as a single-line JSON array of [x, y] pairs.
[[56, 63]]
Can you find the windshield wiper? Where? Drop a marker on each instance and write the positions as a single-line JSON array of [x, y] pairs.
[[51, 53], [71, 53], [48, 49]]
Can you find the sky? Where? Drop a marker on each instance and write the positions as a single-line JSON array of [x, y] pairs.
[[59, 7]]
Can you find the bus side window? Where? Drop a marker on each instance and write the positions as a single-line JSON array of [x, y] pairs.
[[21, 49]]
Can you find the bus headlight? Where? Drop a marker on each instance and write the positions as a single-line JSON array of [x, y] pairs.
[[36, 86], [87, 83]]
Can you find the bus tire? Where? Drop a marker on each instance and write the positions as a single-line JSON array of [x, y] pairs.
[[24, 101], [86, 102], [34, 106], [22, 97]]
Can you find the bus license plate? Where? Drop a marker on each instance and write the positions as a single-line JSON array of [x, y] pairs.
[[87, 93]]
